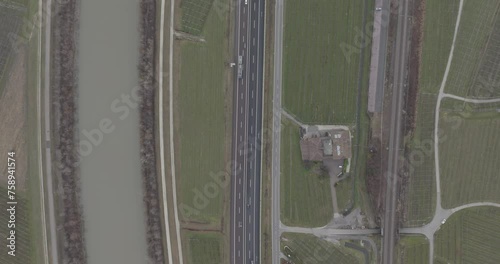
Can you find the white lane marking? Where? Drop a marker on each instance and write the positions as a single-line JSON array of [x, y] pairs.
[[253, 41], [241, 110], [241, 96], [243, 38], [252, 93], [253, 76], [253, 58], [239, 210], [254, 23], [251, 129], [239, 182], [241, 124], [251, 111]]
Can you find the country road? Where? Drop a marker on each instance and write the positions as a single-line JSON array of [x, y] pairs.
[[48, 150], [276, 145]]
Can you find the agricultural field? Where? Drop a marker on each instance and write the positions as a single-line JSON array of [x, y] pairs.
[[24, 243], [438, 28], [195, 14], [11, 17], [468, 152], [305, 249], [305, 196], [200, 113], [203, 248], [412, 250], [475, 68], [469, 236], [321, 59]]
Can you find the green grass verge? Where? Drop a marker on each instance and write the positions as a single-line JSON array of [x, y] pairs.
[[344, 193], [201, 129], [469, 236], [477, 45], [412, 250], [468, 154], [304, 249], [306, 198], [439, 24], [203, 247], [320, 75]]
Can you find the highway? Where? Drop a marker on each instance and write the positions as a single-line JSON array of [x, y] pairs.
[[390, 223], [247, 130]]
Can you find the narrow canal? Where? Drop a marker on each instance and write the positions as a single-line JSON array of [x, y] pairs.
[[111, 181]]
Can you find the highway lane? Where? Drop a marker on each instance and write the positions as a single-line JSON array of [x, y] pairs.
[[400, 62], [247, 130]]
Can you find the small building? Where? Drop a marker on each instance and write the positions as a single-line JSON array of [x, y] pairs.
[[321, 145]]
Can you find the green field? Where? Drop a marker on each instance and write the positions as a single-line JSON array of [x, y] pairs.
[[203, 248], [308, 249], [469, 236], [201, 125], [319, 80], [195, 14], [475, 69], [412, 250], [468, 153], [439, 24], [305, 196]]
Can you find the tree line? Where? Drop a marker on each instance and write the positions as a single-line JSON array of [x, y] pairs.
[[64, 87], [147, 85]]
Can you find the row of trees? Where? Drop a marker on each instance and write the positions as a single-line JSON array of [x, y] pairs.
[[64, 82], [147, 128]]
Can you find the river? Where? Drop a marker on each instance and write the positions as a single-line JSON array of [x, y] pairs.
[[111, 182]]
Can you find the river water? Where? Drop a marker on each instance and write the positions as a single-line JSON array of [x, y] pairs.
[[111, 182]]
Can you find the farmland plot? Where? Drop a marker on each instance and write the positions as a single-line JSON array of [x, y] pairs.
[[195, 14], [320, 75], [468, 153], [308, 249], [475, 68], [200, 136], [413, 250], [469, 236], [11, 20], [419, 197], [203, 248]]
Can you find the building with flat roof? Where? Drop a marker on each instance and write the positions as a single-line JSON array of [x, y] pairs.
[[320, 145]]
